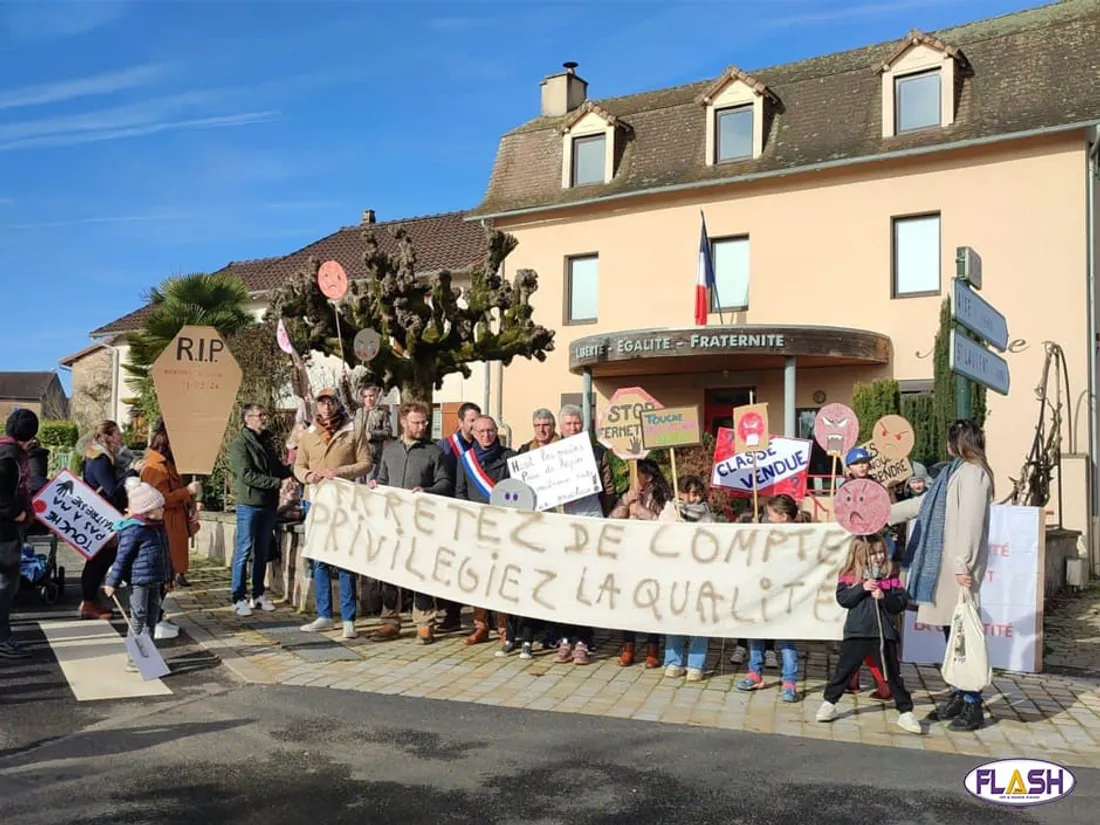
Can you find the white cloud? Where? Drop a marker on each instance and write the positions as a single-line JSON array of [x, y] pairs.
[[158, 216], [73, 138], [100, 84], [44, 19]]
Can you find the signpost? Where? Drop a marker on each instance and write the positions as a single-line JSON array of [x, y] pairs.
[[970, 360]]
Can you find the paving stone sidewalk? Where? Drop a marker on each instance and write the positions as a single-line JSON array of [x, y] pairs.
[[1054, 715]]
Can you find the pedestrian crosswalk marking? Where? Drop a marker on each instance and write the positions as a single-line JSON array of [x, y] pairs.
[[92, 655]]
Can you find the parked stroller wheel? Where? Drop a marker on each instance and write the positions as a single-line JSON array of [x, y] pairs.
[[60, 583], [49, 594]]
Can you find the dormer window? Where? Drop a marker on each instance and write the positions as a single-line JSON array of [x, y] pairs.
[[589, 154], [733, 132], [917, 103], [918, 85], [737, 113], [589, 143]]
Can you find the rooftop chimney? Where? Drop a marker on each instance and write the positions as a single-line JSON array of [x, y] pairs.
[[368, 216], [563, 92]]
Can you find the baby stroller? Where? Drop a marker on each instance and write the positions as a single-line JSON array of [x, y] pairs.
[[40, 570]]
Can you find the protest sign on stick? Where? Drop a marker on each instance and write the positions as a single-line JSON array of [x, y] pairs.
[[750, 431], [620, 426], [783, 468], [836, 429], [669, 428], [73, 512], [558, 473]]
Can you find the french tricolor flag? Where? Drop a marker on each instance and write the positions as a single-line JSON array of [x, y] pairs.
[[704, 280]]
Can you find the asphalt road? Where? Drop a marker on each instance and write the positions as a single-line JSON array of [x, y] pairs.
[[281, 755]]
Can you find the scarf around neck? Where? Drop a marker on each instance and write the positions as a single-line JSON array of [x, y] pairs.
[[23, 489], [487, 454], [924, 553], [329, 426]]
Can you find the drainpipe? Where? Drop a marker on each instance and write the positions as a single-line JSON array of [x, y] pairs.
[[1091, 182]]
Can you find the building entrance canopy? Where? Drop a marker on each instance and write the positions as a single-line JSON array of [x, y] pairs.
[[709, 349]]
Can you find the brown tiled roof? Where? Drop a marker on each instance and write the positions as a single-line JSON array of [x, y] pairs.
[[25, 386], [1033, 70], [247, 271], [445, 241]]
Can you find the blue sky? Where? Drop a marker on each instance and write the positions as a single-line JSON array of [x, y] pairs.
[[144, 139]]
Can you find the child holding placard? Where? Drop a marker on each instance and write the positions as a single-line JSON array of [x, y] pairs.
[[781, 509], [688, 654]]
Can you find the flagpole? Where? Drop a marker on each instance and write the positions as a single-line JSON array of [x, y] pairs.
[[710, 258]]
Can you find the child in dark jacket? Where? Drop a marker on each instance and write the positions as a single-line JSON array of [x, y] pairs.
[[867, 585], [142, 559]]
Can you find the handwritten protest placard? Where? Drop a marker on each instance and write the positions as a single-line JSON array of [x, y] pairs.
[[558, 473], [782, 468], [75, 514], [670, 427], [620, 425], [728, 580], [885, 470]]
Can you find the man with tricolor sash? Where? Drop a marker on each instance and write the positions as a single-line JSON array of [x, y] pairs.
[[462, 439], [479, 470]]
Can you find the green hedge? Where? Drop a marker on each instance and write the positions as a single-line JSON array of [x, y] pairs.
[[58, 434]]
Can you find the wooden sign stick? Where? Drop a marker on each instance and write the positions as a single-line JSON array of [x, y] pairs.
[[633, 465], [835, 459], [339, 335], [755, 501], [675, 482]]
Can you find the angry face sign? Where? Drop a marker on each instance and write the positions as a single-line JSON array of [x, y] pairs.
[[893, 437], [836, 429]]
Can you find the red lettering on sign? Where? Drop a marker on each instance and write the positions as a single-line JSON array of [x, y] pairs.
[[999, 550]]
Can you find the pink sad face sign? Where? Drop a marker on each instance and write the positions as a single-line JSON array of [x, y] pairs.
[[332, 280], [862, 507], [836, 429]]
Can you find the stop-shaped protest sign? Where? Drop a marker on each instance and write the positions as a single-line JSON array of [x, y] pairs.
[[620, 424]]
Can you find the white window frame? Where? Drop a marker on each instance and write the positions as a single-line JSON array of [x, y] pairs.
[[576, 139], [744, 108], [899, 80], [738, 252], [568, 318], [900, 269]]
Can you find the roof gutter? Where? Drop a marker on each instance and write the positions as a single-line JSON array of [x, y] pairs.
[[798, 170]]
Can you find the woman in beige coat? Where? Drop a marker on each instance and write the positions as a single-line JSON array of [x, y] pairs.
[[949, 546], [330, 448]]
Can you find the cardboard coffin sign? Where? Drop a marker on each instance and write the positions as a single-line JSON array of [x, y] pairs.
[[196, 379]]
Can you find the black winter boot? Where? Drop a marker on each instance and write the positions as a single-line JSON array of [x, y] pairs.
[[951, 710], [971, 718]]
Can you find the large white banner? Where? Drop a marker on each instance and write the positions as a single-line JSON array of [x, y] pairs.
[[1011, 597], [728, 580]]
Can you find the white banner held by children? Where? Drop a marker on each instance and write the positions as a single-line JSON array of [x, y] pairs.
[[745, 581], [1010, 599], [75, 514], [558, 473]]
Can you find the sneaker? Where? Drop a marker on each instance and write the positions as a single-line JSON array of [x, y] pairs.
[[674, 671], [316, 625], [826, 713], [564, 654], [788, 693], [241, 608], [738, 655], [525, 651], [349, 630], [166, 630], [770, 660], [11, 649], [908, 722], [694, 674], [264, 603], [752, 681], [580, 654], [505, 649]]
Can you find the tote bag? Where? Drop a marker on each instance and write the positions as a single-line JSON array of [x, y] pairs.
[[966, 662]]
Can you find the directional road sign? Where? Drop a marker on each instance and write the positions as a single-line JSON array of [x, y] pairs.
[[976, 314], [975, 362]]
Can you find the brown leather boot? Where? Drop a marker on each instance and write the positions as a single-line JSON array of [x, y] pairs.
[[91, 610], [479, 636], [424, 635], [627, 657], [386, 633], [651, 659]]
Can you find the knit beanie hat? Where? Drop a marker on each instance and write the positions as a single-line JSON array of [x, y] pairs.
[[22, 425], [144, 498]]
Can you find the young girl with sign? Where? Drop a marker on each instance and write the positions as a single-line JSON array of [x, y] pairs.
[[867, 587]]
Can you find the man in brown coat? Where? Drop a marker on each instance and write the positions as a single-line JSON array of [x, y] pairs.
[[330, 449]]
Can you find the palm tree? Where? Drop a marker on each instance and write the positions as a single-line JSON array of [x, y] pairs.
[[198, 299]]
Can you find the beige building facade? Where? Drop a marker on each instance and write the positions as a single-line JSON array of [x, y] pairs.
[[835, 193]]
